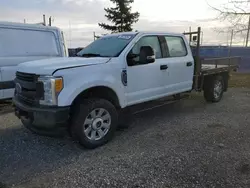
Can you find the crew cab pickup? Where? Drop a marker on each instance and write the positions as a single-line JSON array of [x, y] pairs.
[[84, 95]]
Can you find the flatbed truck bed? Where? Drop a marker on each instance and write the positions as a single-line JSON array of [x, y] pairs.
[[207, 69]]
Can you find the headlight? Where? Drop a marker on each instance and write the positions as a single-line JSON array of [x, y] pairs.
[[52, 87]]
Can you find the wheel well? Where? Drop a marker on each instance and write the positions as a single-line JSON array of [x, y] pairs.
[[99, 92]]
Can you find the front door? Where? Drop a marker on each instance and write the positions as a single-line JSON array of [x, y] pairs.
[[145, 81]]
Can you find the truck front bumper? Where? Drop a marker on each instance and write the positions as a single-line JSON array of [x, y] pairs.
[[49, 121]]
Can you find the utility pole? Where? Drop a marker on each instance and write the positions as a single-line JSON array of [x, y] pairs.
[[96, 36], [50, 21], [190, 36], [201, 37], [231, 42], [248, 29], [44, 20], [228, 37]]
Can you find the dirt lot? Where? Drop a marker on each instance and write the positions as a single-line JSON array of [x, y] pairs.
[[240, 80], [186, 144]]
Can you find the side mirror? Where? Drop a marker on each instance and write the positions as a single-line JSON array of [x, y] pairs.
[[147, 54]]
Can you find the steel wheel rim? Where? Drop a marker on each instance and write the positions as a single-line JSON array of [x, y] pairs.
[[217, 89], [97, 124]]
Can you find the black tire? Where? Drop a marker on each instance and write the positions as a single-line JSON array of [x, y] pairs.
[[124, 120], [26, 122], [81, 112], [177, 96], [210, 87]]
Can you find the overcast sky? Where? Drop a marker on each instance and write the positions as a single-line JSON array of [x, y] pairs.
[[79, 18]]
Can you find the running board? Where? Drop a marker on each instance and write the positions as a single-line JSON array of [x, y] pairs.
[[155, 104], [126, 114]]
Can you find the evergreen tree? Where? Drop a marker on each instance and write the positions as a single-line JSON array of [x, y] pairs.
[[121, 16]]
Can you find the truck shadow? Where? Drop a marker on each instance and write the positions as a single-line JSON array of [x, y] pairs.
[[161, 109]]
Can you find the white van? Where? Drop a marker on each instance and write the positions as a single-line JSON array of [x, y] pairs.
[[25, 42]]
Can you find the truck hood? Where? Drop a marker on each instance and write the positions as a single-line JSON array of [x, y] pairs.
[[49, 66]]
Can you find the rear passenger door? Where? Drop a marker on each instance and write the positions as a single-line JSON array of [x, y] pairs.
[[180, 65]]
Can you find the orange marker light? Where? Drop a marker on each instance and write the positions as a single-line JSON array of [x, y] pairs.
[[58, 85]]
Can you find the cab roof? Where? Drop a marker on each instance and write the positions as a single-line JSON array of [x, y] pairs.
[[148, 32]]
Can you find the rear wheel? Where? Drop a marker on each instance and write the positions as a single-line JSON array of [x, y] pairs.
[[177, 96], [214, 89], [94, 122]]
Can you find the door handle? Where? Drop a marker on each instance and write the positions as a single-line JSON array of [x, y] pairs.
[[189, 64], [164, 67]]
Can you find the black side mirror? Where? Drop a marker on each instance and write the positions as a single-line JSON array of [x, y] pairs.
[[147, 55]]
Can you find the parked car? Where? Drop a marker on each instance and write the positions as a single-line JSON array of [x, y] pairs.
[[85, 95], [73, 51], [25, 42]]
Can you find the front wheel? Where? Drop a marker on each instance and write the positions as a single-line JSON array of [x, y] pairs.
[[94, 122], [214, 89]]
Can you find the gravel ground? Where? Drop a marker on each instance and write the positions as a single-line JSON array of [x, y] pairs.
[[5, 107], [186, 144]]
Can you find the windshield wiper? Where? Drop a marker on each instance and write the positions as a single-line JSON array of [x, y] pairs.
[[90, 55]]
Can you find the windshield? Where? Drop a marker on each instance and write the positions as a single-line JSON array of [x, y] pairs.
[[107, 46]]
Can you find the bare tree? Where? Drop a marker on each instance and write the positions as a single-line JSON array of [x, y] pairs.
[[237, 14]]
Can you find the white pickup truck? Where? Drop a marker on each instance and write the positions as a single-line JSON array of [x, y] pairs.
[[84, 95]]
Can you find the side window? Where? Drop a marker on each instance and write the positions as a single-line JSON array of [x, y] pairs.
[[152, 41], [176, 46]]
